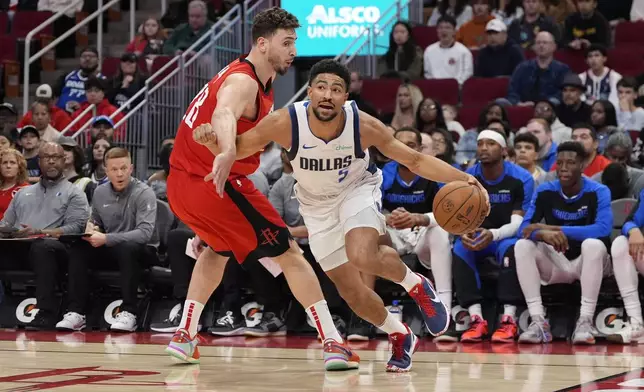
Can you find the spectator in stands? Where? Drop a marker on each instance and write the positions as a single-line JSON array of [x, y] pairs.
[[30, 142], [97, 172], [149, 41], [572, 109], [510, 188], [457, 9], [546, 110], [547, 146], [466, 148], [526, 147], [126, 83], [571, 245], [559, 10], [637, 11], [443, 146], [121, 237], [448, 59], [615, 177], [508, 11], [50, 208], [604, 119], [96, 89], [524, 31], [500, 57], [586, 135], [66, 48], [42, 121], [6, 142], [157, 181], [102, 125], [270, 162], [586, 27], [60, 119], [355, 94], [8, 117], [177, 13], [408, 101], [70, 88], [185, 35], [73, 169], [618, 150], [600, 81], [427, 144], [539, 78], [629, 117], [13, 176], [473, 33], [404, 59], [430, 116]]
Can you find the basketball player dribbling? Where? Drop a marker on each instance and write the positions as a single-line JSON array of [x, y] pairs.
[[327, 141], [236, 219]]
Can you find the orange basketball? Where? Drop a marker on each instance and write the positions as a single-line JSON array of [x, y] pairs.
[[459, 207]]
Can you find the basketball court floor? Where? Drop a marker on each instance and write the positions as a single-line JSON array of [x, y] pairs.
[[94, 361]]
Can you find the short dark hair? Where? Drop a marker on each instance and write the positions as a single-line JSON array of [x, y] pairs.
[[116, 152], [527, 137], [95, 82], [419, 138], [332, 67], [506, 127], [597, 48], [628, 82], [575, 147], [267, 22], [593, 132], [447, 19]]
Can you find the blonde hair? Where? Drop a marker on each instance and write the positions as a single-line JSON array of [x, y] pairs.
[[416, 99], [22, 176]]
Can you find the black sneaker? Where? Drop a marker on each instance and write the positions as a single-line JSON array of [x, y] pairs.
[[451, 335], [44, 321], [271, 325], [360, 330], [228, 325], [171, 324], [340, 326]]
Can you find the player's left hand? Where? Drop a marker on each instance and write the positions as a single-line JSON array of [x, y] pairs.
[[402, 219], [205, 135], [473, 181], [528, 230], [483, 238], [221, 170]]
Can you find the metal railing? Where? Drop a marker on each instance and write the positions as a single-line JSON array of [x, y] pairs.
[[98, 14], [361, 54], [251, 9], [157, 109]]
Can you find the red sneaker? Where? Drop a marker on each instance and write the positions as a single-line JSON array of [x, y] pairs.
[[338, 356], [507, 331], [476, 332]]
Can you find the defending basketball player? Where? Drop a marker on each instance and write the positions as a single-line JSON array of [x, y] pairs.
[[340, 200], [236, 219]]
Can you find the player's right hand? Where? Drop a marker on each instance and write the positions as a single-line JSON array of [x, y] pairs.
[[557, 239], [473, 181], [221, 170], [197, 245], [205, 135], [636, 245]]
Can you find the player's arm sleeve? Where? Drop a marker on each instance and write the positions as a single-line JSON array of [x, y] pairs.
[[276, 127], [634, 220], [603, 220], [276, 196], [146, 213]]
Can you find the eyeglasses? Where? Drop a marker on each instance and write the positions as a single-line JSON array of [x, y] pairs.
[[47, 157], [427, 106]]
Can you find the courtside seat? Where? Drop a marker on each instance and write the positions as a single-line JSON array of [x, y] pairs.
[[621, 210]]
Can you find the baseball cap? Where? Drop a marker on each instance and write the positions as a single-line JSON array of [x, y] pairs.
[[67, 141], [44, 91], [129, 57], [103, 120], [9, 107], [496, 25], [573, 80], [28, 129]]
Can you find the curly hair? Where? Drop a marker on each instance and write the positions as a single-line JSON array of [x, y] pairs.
[[267, 22], [22, 176]]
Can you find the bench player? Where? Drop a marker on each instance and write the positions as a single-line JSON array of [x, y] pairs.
[[237, 219], [340, 199]]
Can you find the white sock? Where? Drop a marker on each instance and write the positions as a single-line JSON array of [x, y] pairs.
[[631, 299], [190, 316], [626, 277], [446, 298], [410, 280], [510, 310], [321, 317], [587, 308], [535, 307], [475, 310], [392, 325]]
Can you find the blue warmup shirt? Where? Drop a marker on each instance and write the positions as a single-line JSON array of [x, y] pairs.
[[586, 215], [636, 218], [73, 90], [416, 197], [551, 157]]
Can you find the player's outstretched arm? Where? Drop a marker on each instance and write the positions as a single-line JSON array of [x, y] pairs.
[[276, 127]]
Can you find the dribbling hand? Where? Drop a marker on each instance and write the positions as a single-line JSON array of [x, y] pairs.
[[205, 135], [473, 181]]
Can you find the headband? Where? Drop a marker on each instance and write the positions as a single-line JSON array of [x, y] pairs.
[[492, 135]]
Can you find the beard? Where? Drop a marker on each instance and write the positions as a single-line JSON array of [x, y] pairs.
[[275, 62], [324, 119], [89, 70]]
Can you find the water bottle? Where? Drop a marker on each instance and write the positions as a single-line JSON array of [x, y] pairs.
[[396, 310]]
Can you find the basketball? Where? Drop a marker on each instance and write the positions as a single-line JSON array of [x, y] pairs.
[[459, 207]]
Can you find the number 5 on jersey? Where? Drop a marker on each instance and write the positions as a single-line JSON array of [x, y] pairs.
[[342, 173]]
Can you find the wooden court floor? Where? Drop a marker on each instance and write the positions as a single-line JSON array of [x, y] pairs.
[[94, 361]]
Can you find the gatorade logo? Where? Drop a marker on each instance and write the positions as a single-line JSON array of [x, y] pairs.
[[174, 312], [112, 310], [524, 321], [26, 311], [609, 320], [252, 312], [461, 318], [343, 22]]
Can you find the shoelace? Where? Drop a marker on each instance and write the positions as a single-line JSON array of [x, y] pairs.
[[425, 303], [506, 326], [539, 326]]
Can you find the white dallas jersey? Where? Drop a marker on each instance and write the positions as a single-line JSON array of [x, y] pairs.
[[325, 170]]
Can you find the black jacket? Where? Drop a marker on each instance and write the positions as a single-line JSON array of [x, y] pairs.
[[498, 61]]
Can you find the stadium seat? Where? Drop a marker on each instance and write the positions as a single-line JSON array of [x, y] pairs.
[[8, 45], [629, 33], [157, 64], [468, 116], [25, 21], [519, 115], [381, 93], [477, 91], [621, 210], [165, 221], [110, 66], [628, 61], [424, 35], [444, 90], [4, 23], [576, 59]]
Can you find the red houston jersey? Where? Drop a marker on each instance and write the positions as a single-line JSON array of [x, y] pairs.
[[189, 156]]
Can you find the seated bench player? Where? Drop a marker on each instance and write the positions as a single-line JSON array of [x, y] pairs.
[[571, 245], [510, 188]]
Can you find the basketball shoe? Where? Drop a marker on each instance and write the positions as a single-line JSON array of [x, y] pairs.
[[184, 348], [538, 332], [585, 332], [338, 356], [403, 347], [633, 332], [476, 332], [507, 331], [433, 310]]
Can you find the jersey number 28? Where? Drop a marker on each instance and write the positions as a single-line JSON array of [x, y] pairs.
[[190, 117]]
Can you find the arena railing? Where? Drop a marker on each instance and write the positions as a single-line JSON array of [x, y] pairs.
[[98, 14], [252, 8], [360, 55], [157, 109]]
